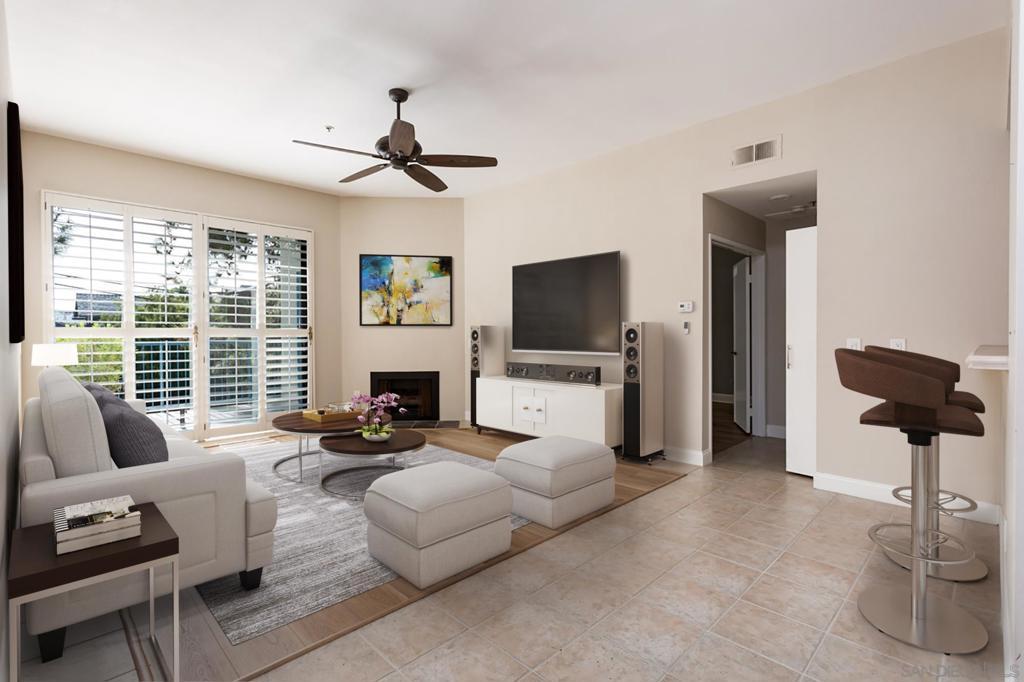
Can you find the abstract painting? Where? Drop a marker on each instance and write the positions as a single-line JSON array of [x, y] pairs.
[[406, 291]]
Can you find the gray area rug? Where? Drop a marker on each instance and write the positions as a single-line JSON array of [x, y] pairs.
[[320, 555]]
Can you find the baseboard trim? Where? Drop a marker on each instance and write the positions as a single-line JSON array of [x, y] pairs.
[[987, 512], [776, 431], [688, 456], [721, 397]]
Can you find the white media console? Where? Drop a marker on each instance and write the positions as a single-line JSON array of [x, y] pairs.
[[545, 408]]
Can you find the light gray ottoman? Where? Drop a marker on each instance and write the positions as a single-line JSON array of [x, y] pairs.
[[432, 521], [558, 479]]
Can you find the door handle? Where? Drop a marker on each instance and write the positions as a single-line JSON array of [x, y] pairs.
[[789, 351]]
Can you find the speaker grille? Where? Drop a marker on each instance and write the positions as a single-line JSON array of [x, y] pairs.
[[631, 356]]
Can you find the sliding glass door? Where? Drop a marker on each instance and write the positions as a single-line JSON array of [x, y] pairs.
[[206, 319]]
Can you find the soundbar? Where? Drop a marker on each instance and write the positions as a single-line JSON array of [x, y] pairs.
[[569, 374]]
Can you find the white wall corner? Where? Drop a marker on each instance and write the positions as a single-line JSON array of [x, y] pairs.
[[688, 456], [721, 398], [987, 512], [776, 431]]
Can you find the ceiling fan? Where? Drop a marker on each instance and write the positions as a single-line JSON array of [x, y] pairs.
[[799, 208], [400, 150]]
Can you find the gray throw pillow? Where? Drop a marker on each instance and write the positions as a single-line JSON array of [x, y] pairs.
[[102, 395], [133, 437]]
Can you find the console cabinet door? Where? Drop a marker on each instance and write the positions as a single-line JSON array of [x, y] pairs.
[[522, 409], [494, 404]]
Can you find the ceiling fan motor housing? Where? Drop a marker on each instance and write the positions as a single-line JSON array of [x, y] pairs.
[[383, 148]]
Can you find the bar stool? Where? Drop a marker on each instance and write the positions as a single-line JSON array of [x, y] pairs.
[[940, 502], [915, 403]]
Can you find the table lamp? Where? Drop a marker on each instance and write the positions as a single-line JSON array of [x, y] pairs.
[[54, 354]]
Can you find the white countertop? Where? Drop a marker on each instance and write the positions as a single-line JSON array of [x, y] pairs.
[[990, 358]]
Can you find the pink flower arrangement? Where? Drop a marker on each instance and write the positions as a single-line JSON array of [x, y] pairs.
[[374, 409]]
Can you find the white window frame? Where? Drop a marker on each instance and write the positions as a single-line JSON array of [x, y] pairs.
[[200, 331]]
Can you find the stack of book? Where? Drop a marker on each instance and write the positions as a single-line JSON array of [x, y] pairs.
[[80, 526]]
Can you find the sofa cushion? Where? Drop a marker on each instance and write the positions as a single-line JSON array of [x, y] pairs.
[[75, 436], [429, 503], [133, 437], [555, 465]]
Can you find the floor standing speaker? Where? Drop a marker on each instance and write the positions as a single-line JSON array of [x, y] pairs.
[[486, 359], [643, 415]]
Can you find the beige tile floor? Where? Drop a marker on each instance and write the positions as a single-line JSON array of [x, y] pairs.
[[736, 572]]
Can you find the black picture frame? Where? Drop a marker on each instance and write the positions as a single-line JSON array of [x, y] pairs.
[[15, 227], [451, 289]]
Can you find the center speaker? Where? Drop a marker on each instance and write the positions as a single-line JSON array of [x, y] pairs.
[[643, 390], [486, 359]]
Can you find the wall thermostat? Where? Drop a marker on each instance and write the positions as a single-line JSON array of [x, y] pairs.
[[686, 306]]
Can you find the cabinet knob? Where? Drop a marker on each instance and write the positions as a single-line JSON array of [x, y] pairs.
[[539, 410], [526, 407]]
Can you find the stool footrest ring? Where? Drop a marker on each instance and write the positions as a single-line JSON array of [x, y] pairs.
[[904, 547], [946, 498]]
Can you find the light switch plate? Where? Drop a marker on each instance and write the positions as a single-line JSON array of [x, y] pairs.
[[898, 344], [686, 327], [854, 343], [686, 306]]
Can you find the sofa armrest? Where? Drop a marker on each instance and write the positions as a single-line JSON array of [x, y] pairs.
[[183, 477]]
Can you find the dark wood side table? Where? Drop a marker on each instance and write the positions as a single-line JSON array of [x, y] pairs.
[[35, 571], [294, 422]]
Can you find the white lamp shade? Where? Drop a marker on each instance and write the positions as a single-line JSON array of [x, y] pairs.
[[54, 354]]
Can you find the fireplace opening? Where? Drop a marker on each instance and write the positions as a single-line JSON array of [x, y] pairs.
[[418, 391]]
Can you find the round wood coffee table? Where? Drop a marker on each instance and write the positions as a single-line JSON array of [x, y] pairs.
[[402, 441], [305, 429]]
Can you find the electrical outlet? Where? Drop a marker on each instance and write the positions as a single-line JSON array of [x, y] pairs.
[[854, 343], [898, 344], [686, 327]]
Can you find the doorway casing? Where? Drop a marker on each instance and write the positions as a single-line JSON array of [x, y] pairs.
[[757, 336]]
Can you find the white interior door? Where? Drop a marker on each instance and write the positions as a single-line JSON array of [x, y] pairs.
[[801, 350], [741, 344]]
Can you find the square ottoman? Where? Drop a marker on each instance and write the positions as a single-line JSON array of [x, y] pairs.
[[429, 522], [557, 479]]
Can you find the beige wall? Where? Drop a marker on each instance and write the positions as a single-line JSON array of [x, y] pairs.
[[430, 227], [912, 189], [61, 165], [775, 325], [10, 381]]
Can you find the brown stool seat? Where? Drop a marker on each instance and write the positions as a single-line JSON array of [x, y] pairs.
[[967, 400], [945, 419]]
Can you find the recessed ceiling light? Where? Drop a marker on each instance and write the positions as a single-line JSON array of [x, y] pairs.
[[778, 197]]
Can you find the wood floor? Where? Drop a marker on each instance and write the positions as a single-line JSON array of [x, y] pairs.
[[724, 432], [208, 655]]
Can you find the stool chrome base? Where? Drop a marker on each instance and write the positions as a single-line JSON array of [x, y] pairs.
[[946, 627], [973, 570]]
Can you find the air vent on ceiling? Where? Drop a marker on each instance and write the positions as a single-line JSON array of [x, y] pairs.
[[757, 151]]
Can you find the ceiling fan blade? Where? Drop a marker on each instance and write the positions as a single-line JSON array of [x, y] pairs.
[[456, 160], [425, 178], [402, 138], [336, 149], [366, 171]]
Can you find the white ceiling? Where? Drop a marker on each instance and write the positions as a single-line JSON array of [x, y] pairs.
[[760, 199], [539, 84]]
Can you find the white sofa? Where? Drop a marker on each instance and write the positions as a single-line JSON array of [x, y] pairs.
[[224, 522]]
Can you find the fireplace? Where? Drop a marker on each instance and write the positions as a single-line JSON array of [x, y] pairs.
[[418, 391]]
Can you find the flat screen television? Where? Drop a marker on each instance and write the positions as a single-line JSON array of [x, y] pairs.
[[567, 306]]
